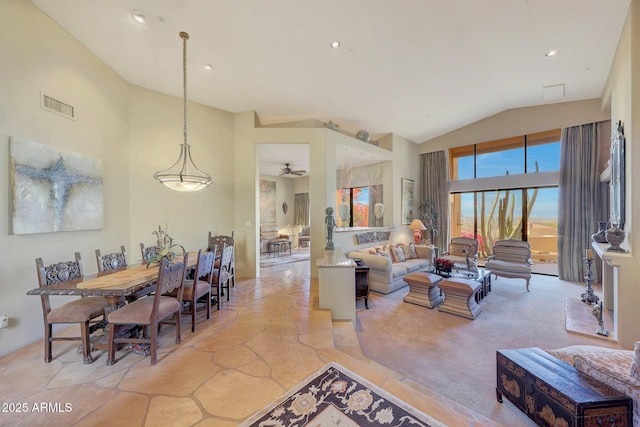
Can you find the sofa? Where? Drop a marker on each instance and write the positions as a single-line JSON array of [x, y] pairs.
[[270, 233], [387, 267], [619, 369]]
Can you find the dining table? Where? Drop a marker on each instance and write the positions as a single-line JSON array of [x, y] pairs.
[[116, 286]]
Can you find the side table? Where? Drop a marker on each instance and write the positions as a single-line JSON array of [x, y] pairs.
[[362, 282]]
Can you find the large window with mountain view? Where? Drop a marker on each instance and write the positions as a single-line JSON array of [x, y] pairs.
[[508, 189]]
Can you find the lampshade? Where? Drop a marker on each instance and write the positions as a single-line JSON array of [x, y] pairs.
[[184, 175], [417, 225]]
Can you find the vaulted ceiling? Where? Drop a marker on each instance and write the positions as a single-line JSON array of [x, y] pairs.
[[418, 68]]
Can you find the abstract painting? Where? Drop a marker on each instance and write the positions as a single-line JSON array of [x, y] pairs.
[[54, 190], [267, 202]]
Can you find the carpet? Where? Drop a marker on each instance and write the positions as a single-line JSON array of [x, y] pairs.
[[296, 256], [336, 396]]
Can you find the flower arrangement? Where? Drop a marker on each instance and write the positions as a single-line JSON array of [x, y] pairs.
[[165, 246], [443, 265]]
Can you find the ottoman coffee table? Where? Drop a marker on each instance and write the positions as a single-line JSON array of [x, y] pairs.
[[459, 297], [423, 289]]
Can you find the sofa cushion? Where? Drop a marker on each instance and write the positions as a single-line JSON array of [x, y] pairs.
[[399, 270], [500, 265]]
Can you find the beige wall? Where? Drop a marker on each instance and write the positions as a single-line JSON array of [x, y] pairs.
[[38, 56], [520, 121], [155, 135], [624, 99]]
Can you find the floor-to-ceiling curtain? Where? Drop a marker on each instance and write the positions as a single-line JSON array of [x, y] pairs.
[[301, 209], [579, 198], [434, 193]]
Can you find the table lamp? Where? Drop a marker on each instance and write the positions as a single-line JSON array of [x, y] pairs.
[[417, 227]]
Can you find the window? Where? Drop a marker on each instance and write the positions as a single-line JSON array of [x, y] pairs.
[[357, 200], [538, 152], [508, 189]]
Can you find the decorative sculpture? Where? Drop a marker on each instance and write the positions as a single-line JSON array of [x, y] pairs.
[[597, 312], [330, 223], [588, 296]]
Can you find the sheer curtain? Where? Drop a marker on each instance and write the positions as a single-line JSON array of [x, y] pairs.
[[434, 193], [301, 209], [579, 198]]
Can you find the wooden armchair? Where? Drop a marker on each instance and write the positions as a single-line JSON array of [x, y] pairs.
[[511, 258], [113, 261], [150, 312], [81, 311], [148, 252], [221, 241], [200, 285]]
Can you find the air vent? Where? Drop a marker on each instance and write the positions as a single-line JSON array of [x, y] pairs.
[[51, 104]]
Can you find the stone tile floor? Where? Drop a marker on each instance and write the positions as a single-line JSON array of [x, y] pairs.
[[267, 339]]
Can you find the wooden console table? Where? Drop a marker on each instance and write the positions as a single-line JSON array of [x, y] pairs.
[[553, 393]]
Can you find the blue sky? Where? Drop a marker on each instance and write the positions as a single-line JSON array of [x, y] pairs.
[[498, 163]]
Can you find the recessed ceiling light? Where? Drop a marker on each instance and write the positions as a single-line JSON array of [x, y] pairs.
[[335, 44], [208, 67], [551, 53], [139, 16]]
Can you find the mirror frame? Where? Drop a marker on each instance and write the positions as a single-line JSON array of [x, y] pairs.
[[617, 185]]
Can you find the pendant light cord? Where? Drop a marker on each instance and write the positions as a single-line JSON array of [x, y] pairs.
[[184, 37]]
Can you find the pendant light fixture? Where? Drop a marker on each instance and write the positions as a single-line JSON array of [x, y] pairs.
[[184, 175]]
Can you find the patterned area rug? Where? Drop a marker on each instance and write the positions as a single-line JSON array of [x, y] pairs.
[[335, 396], [296, 256]]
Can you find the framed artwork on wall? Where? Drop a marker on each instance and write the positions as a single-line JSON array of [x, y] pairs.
[[54, 190], [407, 186]]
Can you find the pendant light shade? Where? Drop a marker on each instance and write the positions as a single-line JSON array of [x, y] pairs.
[[184, 175]]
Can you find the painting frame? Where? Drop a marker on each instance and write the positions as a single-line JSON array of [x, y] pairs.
[[617, 183], [407, 187]]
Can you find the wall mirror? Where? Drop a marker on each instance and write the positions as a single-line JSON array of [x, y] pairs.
[[616, 185]]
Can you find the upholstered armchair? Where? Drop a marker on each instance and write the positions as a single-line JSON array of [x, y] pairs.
[[511, 258], [304, 237], [462, 249]]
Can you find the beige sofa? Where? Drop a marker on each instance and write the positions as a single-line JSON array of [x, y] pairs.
[[269, 233], [386, 274], [619, 369]]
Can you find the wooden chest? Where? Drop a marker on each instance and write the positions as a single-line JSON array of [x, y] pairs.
[[553, 393]]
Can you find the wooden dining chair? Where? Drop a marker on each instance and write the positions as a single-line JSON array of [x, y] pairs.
[[148, 252], [112, 261], [82, 311], [222, 275], [150, 312], [220, 241], [200, 285]]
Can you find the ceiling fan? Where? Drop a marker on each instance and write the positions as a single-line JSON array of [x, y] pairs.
[[286, 170]]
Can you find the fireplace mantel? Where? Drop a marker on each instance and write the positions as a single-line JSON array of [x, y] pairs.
[[618, 293]]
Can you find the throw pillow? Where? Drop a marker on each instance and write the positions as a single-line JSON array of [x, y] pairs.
[[399, 254], [392, 251], [384, 253], [634, 371], [409, 250]]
